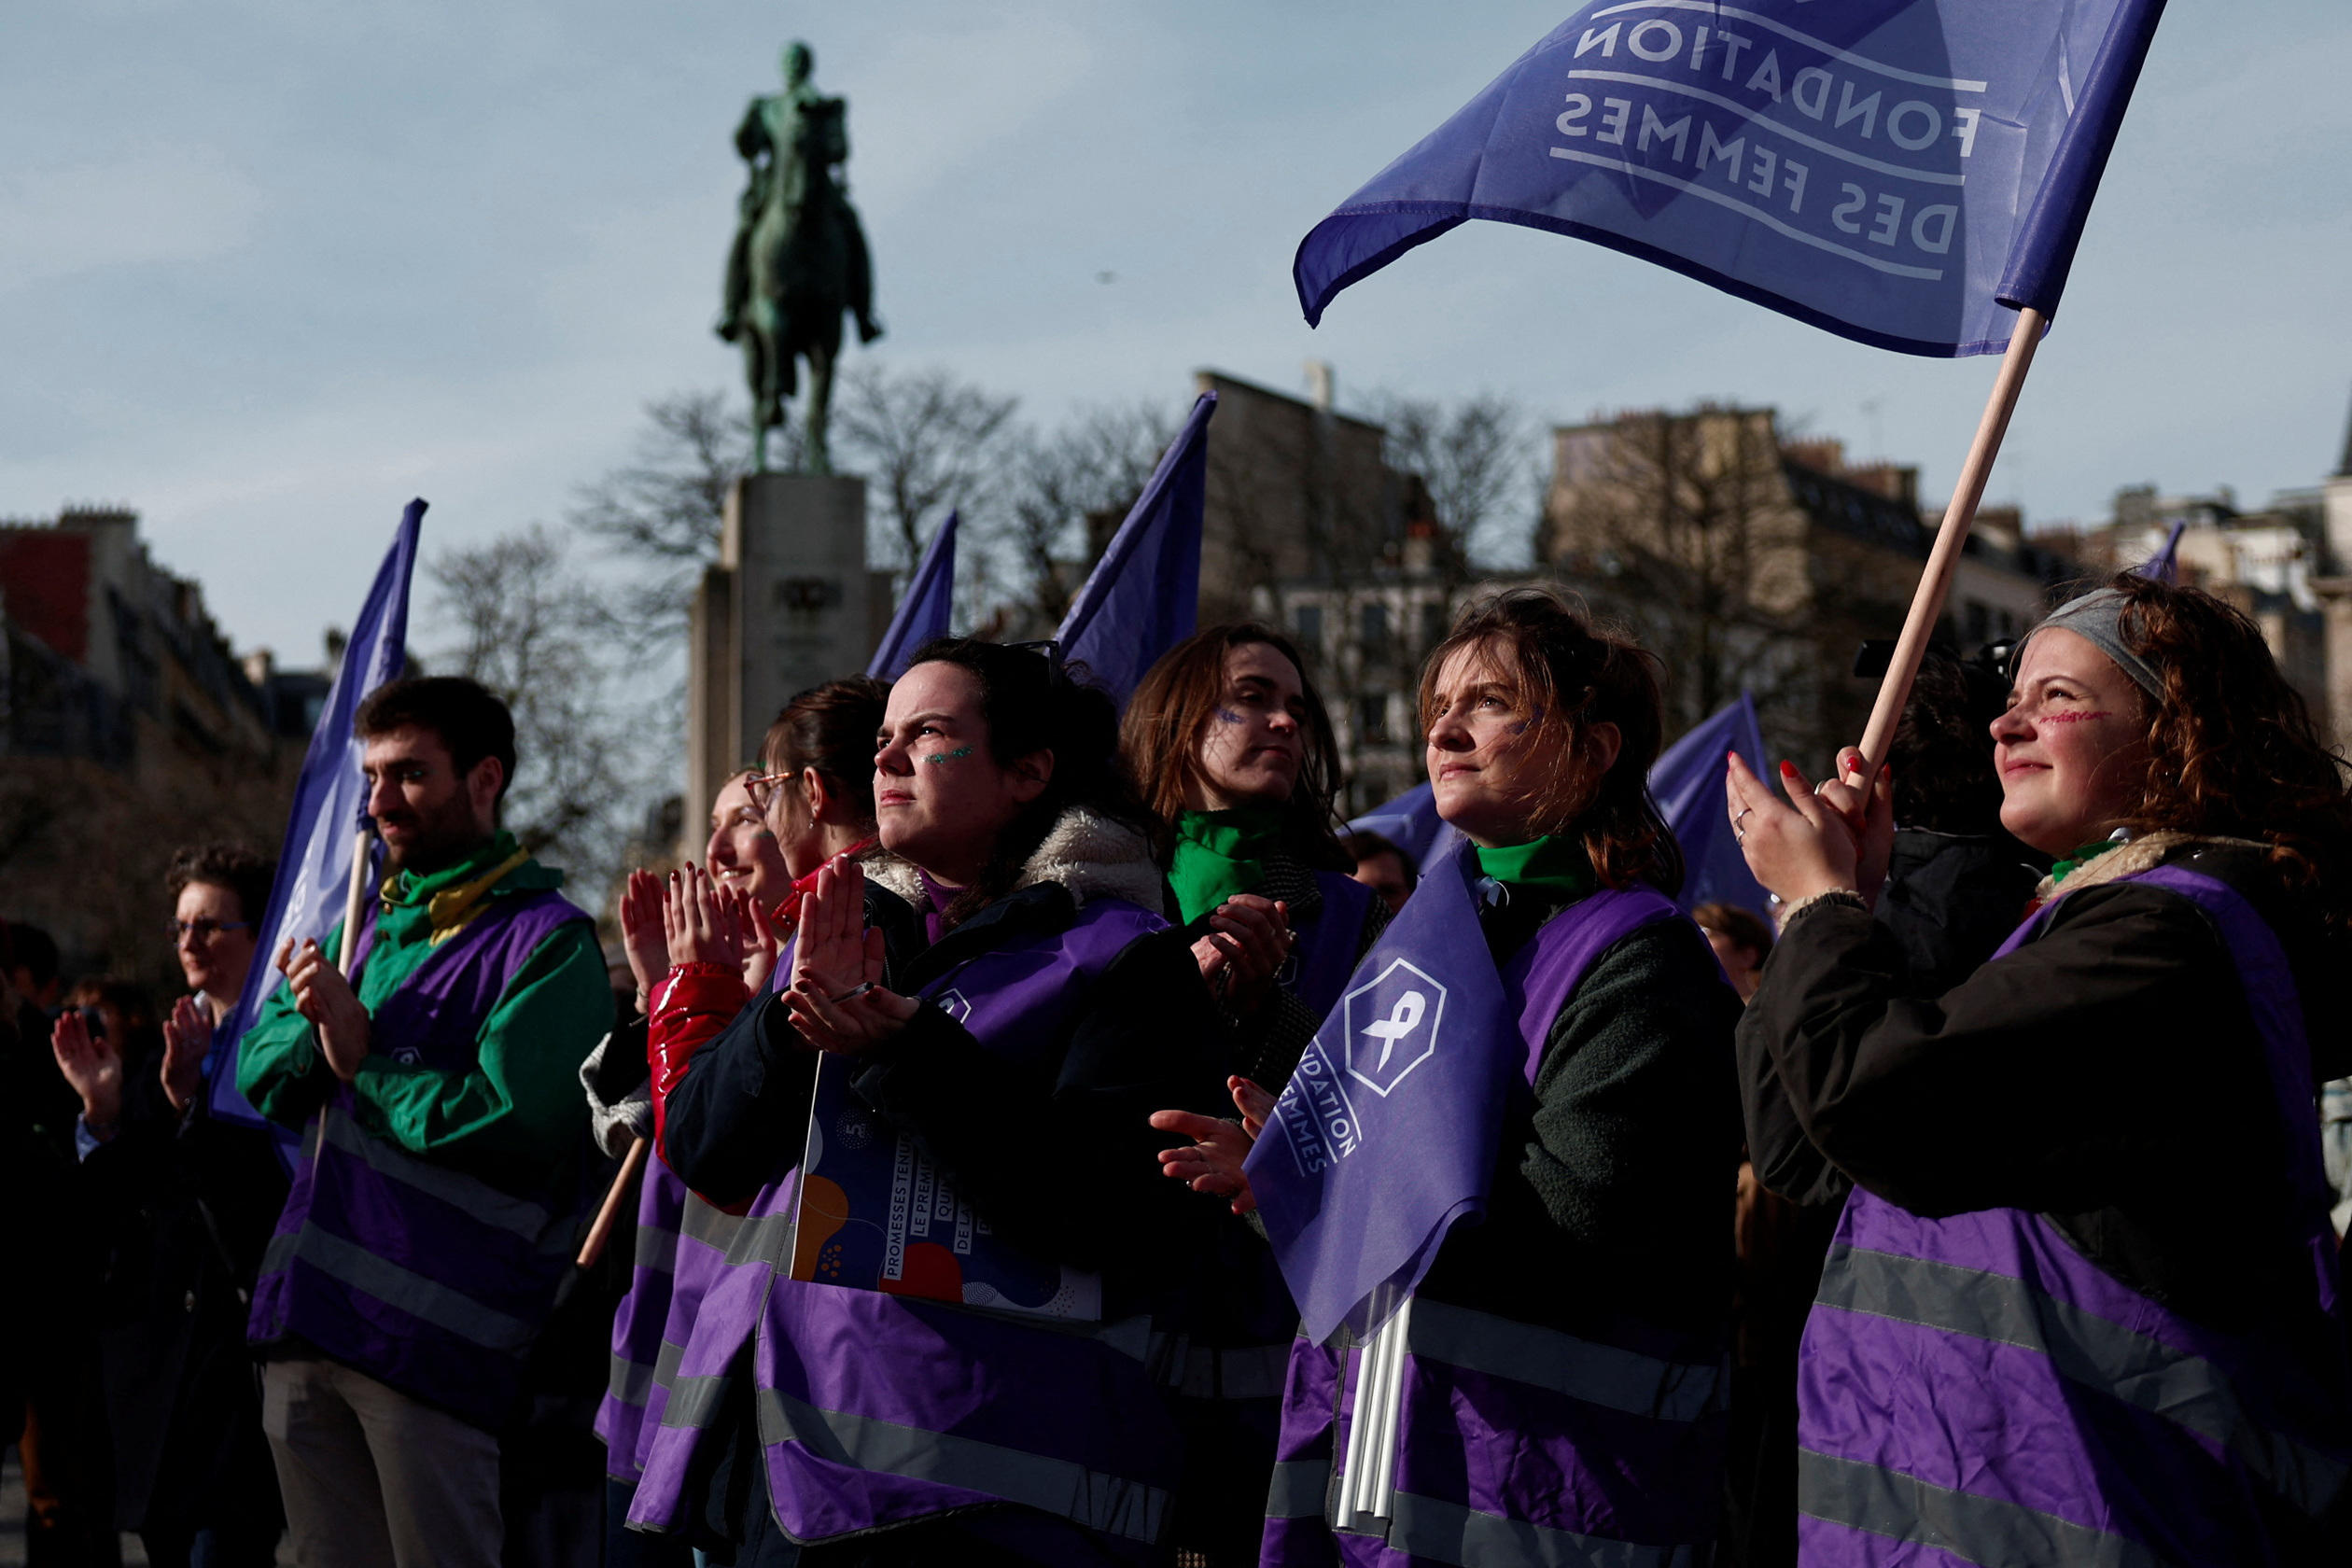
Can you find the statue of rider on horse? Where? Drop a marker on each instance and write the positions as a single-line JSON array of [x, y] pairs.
[[799, 259]]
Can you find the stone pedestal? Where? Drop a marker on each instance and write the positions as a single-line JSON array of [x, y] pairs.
[[786, 607]]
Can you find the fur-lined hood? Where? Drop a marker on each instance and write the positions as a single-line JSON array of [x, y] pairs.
[[2145, 853], [1087, 853]]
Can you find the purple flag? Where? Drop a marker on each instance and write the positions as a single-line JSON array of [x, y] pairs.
[[1904, 173], [313, 867], [1144, 596], [922, 614], [1410, 821], [2165, 566], [1687, 782], [1414, 1063]]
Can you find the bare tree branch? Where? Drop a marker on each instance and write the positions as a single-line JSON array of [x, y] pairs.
[[931, 439]]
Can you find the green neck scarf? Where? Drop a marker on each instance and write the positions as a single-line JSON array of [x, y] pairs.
[[2061, 870], [1555, 866], [1219, 854]]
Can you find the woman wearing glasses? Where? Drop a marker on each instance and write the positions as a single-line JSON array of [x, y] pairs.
[[701, 944], [186, 1203], [2082, 1305], [997, 1005]]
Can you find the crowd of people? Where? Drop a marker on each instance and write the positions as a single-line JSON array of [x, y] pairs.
[[1967, 1206]]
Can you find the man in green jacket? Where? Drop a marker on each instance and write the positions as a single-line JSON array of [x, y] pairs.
[[440, 1192]]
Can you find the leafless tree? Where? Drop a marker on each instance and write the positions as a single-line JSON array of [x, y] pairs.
[[928, 441], [662, 513], [1474, 459], [527, 628], [1065, 493]]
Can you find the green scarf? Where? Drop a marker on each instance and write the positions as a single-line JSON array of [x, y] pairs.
[[1219, 854], [1554, 865], [2061, 870]]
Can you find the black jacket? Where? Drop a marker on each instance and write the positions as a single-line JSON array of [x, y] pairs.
[[1952, 899], [2107, 1075]]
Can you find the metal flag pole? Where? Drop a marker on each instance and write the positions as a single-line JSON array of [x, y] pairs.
[[1944, 560]]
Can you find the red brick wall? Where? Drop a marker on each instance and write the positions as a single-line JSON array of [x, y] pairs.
[[44, 584]]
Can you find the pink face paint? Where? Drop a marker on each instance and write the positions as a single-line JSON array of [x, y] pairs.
[[2072, 716]]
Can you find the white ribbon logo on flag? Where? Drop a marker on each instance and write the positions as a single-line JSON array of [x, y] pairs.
[[1391, 1026]]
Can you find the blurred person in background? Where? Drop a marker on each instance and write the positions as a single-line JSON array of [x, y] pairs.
[[1381, 866], [1741, 939]]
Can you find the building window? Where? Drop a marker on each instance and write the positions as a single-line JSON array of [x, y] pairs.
[[1306, 620], [1372, 728], [1373, 629], [1436, 622]]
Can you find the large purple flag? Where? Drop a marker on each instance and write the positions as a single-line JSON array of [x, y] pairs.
[[1904, 173], [1416, 1062], [922, 614], [329, 798], [1687, 782], [1144, 596]]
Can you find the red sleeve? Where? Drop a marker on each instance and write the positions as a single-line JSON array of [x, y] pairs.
[[691, 1005]]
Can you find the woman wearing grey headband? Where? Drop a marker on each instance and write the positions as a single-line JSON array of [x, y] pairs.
[[2083, 1304]]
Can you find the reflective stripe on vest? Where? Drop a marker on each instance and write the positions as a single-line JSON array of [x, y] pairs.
[[1975, 1384], [1114, 1504], [426, 1300]]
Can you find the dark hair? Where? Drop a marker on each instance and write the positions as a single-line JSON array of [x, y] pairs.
[[27, 947], [470, 722], [126, 997], [1577, 675], [244, 872], [1032, 703], [1745, 926], [1362, 847], [1171, 710], [2231, 749], [1942, 752], [831, 728]]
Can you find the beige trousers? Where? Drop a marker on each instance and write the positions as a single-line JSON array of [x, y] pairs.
[[373, 1478]]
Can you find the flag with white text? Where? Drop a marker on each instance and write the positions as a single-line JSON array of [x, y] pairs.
[[313, 867], [1904, 173]]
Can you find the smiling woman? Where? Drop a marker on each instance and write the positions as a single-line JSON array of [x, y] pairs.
[[2092, 1169]]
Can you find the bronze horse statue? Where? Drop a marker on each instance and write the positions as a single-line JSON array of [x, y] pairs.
[[798, 259]]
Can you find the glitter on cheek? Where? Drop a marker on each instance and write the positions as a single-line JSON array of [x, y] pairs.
[[1226, 716], [2073, 718], [949, 756], [1527, 723]]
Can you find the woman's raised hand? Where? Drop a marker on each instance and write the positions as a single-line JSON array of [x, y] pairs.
[[836, 996], [761, 941], [1212, 1163], [644, 936], [699, 920], [1813, 843], [1248, 937], [94, 1067], [187, 1035]]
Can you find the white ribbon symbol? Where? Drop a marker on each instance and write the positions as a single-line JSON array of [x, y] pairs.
[[1401, 1020]]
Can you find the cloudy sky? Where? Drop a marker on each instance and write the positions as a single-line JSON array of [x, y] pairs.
[[269, 267]]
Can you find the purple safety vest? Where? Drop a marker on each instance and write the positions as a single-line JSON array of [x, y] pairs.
[[876, 1410], [1519, 1443], [1974, 1390], [423, 1276], [681, 1250]]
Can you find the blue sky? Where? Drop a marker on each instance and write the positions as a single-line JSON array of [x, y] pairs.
[[269, 268]]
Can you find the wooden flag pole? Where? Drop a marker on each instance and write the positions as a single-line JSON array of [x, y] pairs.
[[1944, 560], [355, 897], [601, 1232]]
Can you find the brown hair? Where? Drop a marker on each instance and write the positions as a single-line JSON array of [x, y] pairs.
[[2231, 749], [246, 873], [831, 728], [1171, 710], [1745, 926], [1576, 674]]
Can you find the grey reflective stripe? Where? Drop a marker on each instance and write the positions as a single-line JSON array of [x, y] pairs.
[[1597, 1374], [427, 1300], [1246, 1372], [693, 1400], [2087, 1349], [666, 1364], [478, 1198], [629, 1381], [1301, 1489], [1114, 1504], [656, 1249], [1449, 1532], [765, 1240], [1979, 1529], [712, 1227]]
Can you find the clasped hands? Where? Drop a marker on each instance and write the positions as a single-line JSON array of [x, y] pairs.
[[322, 994], [836, 997], [1249, 938], [1823, 837]]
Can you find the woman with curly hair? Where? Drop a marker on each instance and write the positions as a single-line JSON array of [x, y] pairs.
[[2081, 1307]]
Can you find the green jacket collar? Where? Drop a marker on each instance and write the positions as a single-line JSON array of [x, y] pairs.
[[455, 893]]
